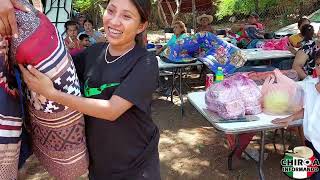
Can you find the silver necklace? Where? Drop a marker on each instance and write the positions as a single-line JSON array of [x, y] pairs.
[[109, 62]]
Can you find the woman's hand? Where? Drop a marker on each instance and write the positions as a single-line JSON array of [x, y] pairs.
[[8, 24], [292, 49], [37, 81], [283, 121]]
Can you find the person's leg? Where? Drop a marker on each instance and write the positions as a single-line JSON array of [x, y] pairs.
[[244, 140], [151, 171]]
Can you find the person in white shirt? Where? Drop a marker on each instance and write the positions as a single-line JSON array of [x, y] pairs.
[[310, 114]]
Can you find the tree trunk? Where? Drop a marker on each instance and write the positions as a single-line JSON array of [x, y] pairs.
[[257, 6], [194, 21], [162, 15]]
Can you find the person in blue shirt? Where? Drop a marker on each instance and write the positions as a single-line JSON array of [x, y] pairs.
[[94, 36], [179, 30]]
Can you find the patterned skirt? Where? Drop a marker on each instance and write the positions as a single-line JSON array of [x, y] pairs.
[[58, 132], [10, 124]]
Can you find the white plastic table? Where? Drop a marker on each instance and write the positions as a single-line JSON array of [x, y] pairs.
[[177, 71], [197, 99], [260, 54]]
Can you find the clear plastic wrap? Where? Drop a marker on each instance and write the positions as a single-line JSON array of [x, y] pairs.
[[234, 97], [281, 95]]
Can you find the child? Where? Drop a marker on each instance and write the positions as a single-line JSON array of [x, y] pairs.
[[71, 41], [254, 30], [84, 41], [310, 127]]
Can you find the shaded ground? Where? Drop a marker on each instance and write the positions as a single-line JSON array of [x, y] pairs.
[[191, 149]]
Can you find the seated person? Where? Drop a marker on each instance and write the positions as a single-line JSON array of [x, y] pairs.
[[311, 128], [84, 41], [94, 36], [71, 41], [179, 30], [304, 62], [254, 28], [296, 39], [205, 20]]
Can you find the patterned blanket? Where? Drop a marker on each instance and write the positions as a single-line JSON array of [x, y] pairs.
[[10, 122], [58, 132], [210, 49]]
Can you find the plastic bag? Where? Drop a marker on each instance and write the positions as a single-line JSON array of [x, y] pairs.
[[281, 97], [223, 99], [234, 97], [260, 77], [276, 44], [249, 92]]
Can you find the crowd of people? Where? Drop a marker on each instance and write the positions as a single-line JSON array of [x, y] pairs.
[[305, 45], [81, 34]]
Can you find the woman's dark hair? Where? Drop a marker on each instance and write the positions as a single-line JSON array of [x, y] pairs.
[[303, 20], [89, 21], [144, 9], [70, 23], [307, 31], [82, 36]]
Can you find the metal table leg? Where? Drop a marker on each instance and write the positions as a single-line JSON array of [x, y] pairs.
[[261, 158], [283, 143], [180, 92]]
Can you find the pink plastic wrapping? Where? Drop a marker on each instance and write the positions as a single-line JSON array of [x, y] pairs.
[[281, 95], [276, 44], [249, 92], [234, 97]]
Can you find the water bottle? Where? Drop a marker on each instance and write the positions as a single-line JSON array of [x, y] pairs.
[[219, 75]]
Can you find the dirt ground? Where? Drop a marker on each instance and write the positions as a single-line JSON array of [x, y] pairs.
[[190, 148]]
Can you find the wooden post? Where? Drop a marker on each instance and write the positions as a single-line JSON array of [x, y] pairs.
[[194, 15]]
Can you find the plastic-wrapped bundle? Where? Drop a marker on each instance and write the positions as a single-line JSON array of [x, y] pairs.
[[249, 92], [235, 97], [223, 98], [10, 122], [283, 97], [58, 132]]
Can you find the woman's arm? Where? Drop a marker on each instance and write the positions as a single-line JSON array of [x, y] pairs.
[[285, 121], [105, 109], [8, 26], [298, 63], [291, 48]]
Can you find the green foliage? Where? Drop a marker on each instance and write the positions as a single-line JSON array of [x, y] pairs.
[[85, 5], [233, 7]]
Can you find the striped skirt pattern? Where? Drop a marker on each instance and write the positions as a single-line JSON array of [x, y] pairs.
[[10, 124], [58, 132]]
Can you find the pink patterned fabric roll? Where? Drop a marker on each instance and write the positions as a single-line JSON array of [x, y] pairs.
[[58, 132]]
